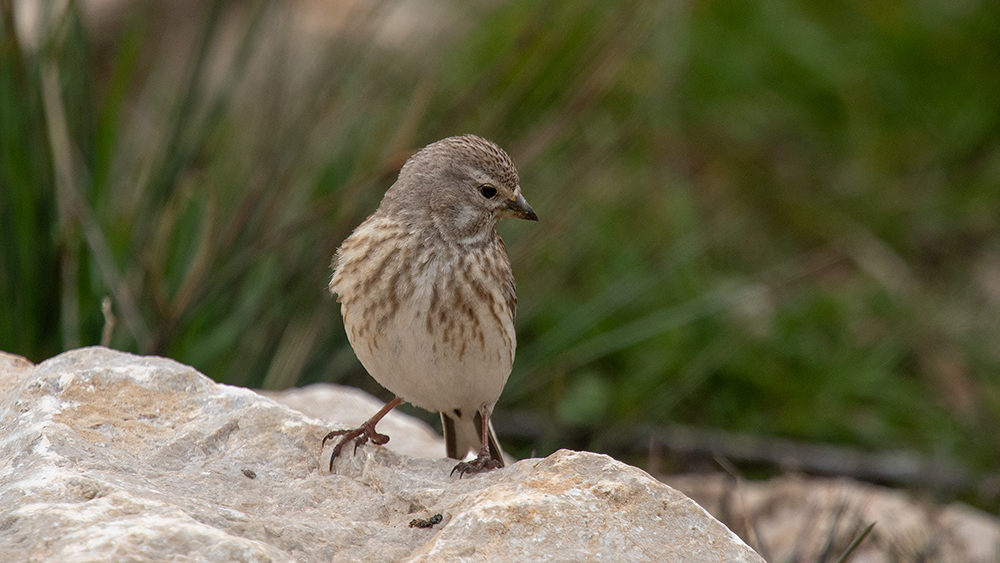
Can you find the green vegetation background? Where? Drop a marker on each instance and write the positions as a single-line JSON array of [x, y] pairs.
[[779, 217]]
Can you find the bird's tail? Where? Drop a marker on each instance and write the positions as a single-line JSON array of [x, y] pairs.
[[463, 432]]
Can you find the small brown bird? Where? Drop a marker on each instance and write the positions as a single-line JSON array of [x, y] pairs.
[[427, 293]]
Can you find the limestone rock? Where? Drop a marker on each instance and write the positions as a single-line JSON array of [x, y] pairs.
[[794, 518], [13, 370], [106, 456]]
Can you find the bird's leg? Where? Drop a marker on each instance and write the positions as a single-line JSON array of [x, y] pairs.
[[363, 433], [484, 461]]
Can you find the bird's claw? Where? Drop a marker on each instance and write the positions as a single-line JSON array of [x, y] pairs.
[[484, 462], [360, 435]]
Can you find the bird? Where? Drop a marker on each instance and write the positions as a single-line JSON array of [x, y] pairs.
[[427, 294]]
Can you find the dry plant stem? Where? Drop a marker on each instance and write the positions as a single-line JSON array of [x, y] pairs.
[[363, 433], [894, 466], [857, 541], [738, 478], [109, 321]]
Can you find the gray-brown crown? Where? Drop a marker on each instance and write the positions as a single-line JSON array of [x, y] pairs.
[[468, 150]]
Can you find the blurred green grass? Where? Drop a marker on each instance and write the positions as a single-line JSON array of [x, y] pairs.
[[776, 217]]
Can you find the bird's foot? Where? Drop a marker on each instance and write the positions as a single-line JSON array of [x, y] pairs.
[[360, 435], [484, 462]]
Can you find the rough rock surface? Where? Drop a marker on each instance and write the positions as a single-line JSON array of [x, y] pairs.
[[794, 518], [106, 456]]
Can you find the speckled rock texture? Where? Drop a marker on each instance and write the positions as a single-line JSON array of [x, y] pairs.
[[107, 456], [797, 518]]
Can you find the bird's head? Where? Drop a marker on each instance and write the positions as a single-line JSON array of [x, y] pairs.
[[460, 186]]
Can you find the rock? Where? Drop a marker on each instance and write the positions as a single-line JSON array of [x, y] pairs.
[[794, 518], [13, 370], [106, 456]]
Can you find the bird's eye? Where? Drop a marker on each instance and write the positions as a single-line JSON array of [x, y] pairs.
[[487, 191]]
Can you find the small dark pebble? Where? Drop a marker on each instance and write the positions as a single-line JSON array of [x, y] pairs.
[[250, 473], [428, 523]]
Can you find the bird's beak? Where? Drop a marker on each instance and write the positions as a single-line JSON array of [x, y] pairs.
[[518, 207]]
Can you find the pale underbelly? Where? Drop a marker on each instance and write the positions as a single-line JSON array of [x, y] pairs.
[[466, 372]]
